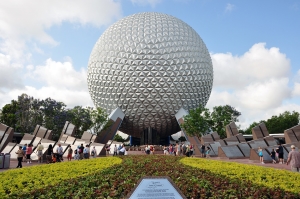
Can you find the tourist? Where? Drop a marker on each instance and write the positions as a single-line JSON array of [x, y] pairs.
[[202, 150], [147, 150], [260, 154], [171, 150], [165, 150], [86, 152], [191, 150], [115, 150], [122, 150], [187, 151], [76, 153], [176, 149], [60, 152], [70, 153], [81, 151], [208, 152], [94, 152], [28, 153], [20, 153], [151, 149], [119, 148], [107, 148], [49, 153], [273, 156], [280, 154], [183, 149], [39, 150], [24, 148], [294, 159], [54, 159]]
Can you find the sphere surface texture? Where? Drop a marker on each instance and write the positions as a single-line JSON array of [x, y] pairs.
[[150, 65]]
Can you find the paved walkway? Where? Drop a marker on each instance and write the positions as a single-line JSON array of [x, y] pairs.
[[14, 163]]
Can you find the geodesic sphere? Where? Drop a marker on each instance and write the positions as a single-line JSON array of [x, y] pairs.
[[150, 65]]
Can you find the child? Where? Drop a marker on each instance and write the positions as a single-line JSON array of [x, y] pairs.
[[207, 152], [53, 158], [76, 152], [273, 156], [260, 154], [70, 152]]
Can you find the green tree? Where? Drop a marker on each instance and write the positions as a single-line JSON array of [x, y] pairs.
[[119, 138], [8, 114], [29, 113], [81, 118], [99, 119], [197, 122], [55, 116], [222, 116], [249, 129], [182, 139], [286, 120]]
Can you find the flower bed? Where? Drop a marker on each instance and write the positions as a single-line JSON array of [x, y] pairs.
[[118, 180], [27, 179], [269, 177]]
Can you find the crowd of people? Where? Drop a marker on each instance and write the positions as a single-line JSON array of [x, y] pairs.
[[179, 149], [84, 152]]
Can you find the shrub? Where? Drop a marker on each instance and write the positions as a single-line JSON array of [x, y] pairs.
[[27, 179]]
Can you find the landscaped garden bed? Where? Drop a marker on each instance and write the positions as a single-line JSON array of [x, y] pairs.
[[117, 181]]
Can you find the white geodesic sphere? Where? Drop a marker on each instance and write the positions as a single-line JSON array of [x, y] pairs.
[[150, 65]]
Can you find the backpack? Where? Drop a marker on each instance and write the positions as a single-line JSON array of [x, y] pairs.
[[75, 152]]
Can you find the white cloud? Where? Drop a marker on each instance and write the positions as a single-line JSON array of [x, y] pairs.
[[255, 83], [152, 3], [26, 20], [256, 65], [57, 80], [229, 7]]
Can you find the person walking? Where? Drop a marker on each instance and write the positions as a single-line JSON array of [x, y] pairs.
[[28, 153], [76, 153], [202, 150], [115, 150], [208, 152], [273, 156], [280, 154], [60, 153], [294, 159], [39, 150], [24, 148], [70, 153], [49, 153], [94, 152], [20, 153], [86, 152], [261, 156]]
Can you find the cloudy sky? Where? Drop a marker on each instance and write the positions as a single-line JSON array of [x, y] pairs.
[[254, 45]]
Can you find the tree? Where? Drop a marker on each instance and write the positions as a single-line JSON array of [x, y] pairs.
[[29, 113], [286, 120], [81, 118], [249, 129], [182, 139], [99, 119], [197, 122], [222, 116], [8, 114], [55, 116], [119, 138]]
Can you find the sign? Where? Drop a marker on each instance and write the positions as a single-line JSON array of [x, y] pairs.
[[156, 187]]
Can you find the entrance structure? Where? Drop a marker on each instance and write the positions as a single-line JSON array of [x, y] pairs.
[[150, 65]]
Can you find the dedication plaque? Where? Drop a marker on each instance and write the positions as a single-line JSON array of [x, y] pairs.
[[156, 187], [232, 152]]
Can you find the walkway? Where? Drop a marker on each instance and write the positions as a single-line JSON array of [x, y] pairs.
[[13, 163]]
